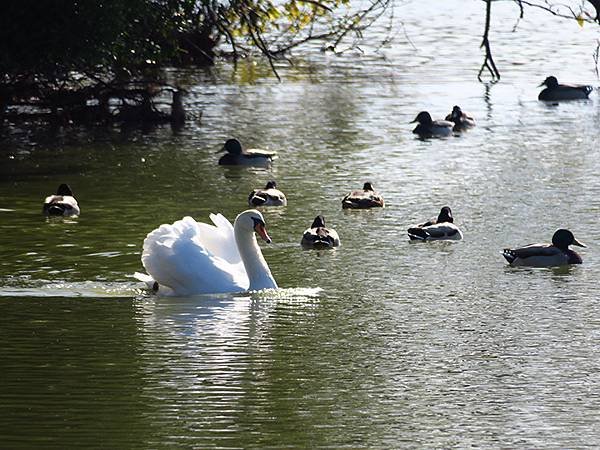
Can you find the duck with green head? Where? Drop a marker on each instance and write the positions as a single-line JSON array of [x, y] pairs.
[[238, 156], [546, 255], [555, 91], [428, 127], [437, 229]]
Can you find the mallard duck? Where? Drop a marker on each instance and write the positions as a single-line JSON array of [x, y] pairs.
[[269, 196], [319, 236], [62, 203], [431, 128], [367, 198], [237, 156], [546, 255], [555, 91], [461, 120], [436, 229]]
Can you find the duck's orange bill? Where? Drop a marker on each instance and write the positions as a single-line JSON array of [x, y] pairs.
[[262, 232]]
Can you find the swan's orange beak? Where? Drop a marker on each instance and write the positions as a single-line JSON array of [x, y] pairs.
[[262, 232]]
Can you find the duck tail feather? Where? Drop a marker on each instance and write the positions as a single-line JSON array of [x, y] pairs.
[[257, 200], [509, 255], [54, 210], [417, 234]]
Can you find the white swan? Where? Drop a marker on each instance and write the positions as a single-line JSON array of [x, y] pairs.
[[190, 257]]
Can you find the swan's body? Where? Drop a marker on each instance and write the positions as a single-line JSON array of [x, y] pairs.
[[555, 91], [440, 228], [190, 257], [62, 203], [367, 198], [319, 236], [428, 127], [269, 196], [238, 156], [462, 121], [546, 255]]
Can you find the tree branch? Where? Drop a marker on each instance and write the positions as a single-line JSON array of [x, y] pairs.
[[488, 62], [260, 43], [320, 5]]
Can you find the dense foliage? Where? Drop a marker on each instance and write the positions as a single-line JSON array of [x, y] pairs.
[[100, 60], [59, 55]]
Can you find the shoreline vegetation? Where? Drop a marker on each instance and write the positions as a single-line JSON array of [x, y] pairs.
[[103, 63]]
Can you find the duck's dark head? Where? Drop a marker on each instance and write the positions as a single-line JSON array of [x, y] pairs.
[[445, 215], [64, 189], [563, 238], [271, 185], [456, 113], [550, 82], [368, 186], [233, 146], [319, 222], [423, 118]]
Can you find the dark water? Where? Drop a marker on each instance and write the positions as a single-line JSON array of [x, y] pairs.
[[378, 344]]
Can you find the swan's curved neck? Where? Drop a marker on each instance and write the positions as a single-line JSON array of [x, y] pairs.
[[257, 269]]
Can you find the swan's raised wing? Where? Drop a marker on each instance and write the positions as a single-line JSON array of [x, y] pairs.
[[218, 239], [195, 258]]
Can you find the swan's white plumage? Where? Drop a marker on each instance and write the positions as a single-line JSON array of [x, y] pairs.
[[219, 239], [189, 257]]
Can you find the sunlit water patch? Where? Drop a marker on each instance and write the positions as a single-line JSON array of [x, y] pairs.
[[425, 345]]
